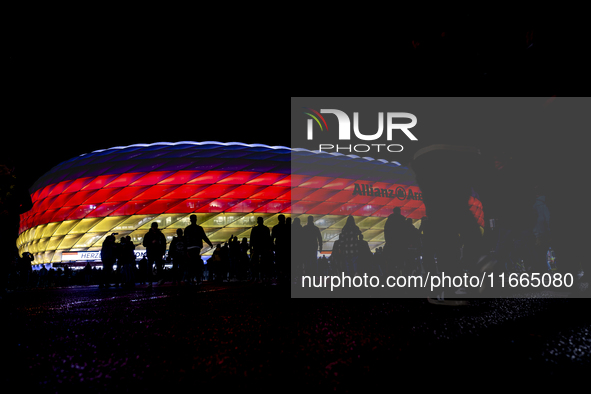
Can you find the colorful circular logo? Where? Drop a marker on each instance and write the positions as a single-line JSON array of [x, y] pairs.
[[400, 193]]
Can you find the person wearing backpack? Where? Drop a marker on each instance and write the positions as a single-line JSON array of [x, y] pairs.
[[155, 244], [194, 237], [178, 252]]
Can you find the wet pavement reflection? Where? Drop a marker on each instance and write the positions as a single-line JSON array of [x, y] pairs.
[[250, 335]]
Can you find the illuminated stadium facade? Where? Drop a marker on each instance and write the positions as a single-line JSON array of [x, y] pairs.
[[227, 185]]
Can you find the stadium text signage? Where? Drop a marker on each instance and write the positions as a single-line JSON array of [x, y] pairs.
[[400, 193], [93, 256]]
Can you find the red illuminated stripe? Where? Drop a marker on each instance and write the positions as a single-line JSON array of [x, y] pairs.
[[80, 197], [78, 184], [271, 193], [128, 193], [211, 177], [244, 191], [99, 182], [60, 187], [316, 182], [155, 192], [158, 207], [185, 191], [215, 191], [160, 192], [267, 179], [102, 195], [181, 177], [152, 178], [125, 179], [339, 183], [321, 195], [239, 178]]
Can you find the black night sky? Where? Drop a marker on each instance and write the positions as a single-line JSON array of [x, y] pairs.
[[70, 99], [71, 95]]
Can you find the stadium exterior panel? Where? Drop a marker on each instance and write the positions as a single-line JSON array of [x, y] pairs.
[[123, 190]]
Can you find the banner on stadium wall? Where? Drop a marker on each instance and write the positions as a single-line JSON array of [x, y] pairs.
[[94, 256]]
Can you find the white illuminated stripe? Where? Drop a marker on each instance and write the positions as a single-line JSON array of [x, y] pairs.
[[190, 143], [233, 144]]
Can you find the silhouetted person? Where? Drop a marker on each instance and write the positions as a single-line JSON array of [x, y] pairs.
[[108, 259], [194, 237], [311, 245], [260, 245], [43, 276], [87, 271], [350, 245], [155, 244], [297, 257], [514, 217], [58, 277], [214, 264], [377, 262], [365, 256], [178, 253], [281, 238], [67, 275], [446, 175], [26, 269], [51, 277], [395, 248], [118, 273], [244, 259], [127, 256], [336, 257], [234, 257], [223, 269]]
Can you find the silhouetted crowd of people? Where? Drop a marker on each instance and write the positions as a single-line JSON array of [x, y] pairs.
[[351, 254], [409, 250], [264, 259]]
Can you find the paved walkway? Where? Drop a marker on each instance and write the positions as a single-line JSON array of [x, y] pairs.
[[248, 336]]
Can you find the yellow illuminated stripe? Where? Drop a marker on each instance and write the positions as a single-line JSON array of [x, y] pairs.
[[108, 223], [50, 229], [223, 220], [69, 241], [169, 219], [84, 226], [90, 233], [88, 240], [47, 256], [54, 242], [65, 227], [42, 245], [133, 222], [57, 257]]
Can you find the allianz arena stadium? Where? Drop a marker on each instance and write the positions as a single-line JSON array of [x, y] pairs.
[[122, 190]]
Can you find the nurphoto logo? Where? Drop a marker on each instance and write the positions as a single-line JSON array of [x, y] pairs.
[[344, 133]]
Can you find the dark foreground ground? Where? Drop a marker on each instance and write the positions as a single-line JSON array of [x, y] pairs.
[[250, 336]]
